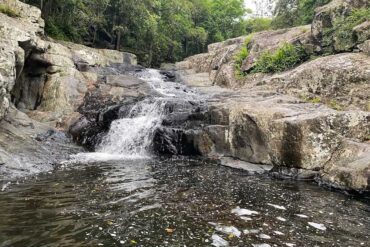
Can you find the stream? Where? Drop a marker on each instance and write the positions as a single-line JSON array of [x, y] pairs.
[[122, 195]]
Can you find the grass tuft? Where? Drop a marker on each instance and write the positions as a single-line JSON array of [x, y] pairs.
[[8, 10]]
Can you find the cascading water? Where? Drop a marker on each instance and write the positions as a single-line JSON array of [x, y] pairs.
[[131, 137]]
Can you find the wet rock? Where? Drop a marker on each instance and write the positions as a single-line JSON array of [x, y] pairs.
[[294, 173], [30, 147], [262, 126], [246, 166], [127, 81]]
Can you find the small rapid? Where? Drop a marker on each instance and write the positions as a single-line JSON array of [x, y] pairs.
[[131, 136]]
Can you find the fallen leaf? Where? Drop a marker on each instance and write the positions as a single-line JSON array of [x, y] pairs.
[[169, 230], [231, 236], [133, 242]]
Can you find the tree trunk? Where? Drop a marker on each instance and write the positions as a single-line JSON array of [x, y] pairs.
[[118, 42]]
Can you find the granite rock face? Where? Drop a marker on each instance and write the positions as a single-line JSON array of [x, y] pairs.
[[42, 85], [312, 119], [341, 81], [324, 20], [44, 78]]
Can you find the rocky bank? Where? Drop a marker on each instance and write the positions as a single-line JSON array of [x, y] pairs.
[[311, 121], [50, 89], [43, 83]]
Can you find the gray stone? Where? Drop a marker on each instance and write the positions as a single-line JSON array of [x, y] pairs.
[[124, 81], [252, 169]]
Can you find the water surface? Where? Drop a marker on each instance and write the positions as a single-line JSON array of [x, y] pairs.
[[175, 202]]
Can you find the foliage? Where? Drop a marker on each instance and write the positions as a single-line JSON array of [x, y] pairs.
[[255, 25], [342, 29], [286, 57], [157, 31], [8, 10], [334, 105], [241, 56], [290, 13]]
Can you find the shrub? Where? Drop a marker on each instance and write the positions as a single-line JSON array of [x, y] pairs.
[[241, 56], [286, 57], [290, 13], [257, 25], [9, 11], [342, 30]]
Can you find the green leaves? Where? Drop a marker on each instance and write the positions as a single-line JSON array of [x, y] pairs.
[[289, 13], [156, 30], [286, 57]]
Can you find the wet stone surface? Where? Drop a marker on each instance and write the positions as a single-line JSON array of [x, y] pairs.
[[175, 202]]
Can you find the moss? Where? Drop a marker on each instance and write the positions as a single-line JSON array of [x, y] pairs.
[[8, 10], [286, 57], [334, 105], [342, 30], [241, 56], [314, 100]]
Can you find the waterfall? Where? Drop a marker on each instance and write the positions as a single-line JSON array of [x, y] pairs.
[[131, 137]]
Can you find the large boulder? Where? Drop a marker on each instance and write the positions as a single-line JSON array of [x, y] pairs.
[[108, 101], [30, 147], [17, 37], [365, 47], [325, 19], [341, 81], [270, 41], [219, 62]]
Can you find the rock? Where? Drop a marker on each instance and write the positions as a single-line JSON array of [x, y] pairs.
[[259, 125], [123, 81], [325, 17], [342, 81], [365, 47], [362, 32], [30, 147], [246, 166], [270, 41], [17, 38], [106, 103], [349, 167], [219, 61]]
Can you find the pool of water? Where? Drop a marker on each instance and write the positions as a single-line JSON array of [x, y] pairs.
[[175, 202]]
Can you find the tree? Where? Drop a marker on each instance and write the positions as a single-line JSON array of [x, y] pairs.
[[290, 13], [155, 30]]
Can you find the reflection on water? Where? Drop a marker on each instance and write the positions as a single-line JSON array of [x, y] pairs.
[[176, 203]]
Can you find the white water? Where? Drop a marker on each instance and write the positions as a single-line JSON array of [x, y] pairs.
[[131, 137]]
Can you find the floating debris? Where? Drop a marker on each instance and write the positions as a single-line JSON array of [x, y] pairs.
[[321, 227], [217, 241], [261, 245], [302, 216], [229, 230], [281, 219], [279, 233], [290, 245], [242, 212], [277, 206], [246, 218], [264, 236]]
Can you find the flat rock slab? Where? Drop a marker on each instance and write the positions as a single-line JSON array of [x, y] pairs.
[[123, 81], [252, 169]]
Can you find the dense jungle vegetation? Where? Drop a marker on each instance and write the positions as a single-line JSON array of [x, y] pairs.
[[163, 30]]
